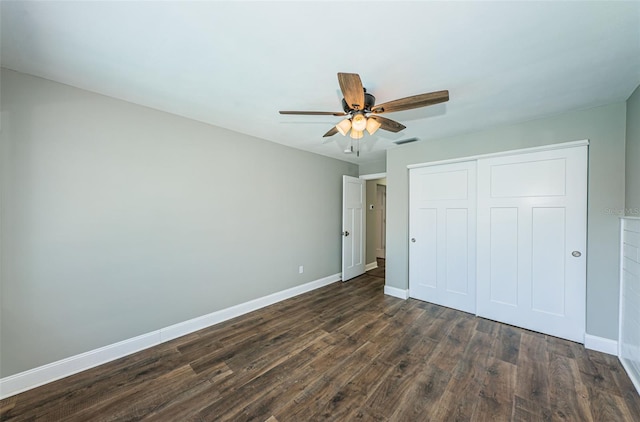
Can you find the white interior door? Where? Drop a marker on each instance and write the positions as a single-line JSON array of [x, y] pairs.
[[353, 224], [442, 227], [532, 241]]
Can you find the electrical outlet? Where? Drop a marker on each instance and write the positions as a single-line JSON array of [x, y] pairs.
[[300, 269]]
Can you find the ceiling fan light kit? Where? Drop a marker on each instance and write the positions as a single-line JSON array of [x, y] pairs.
[[359, 122], [372, 126], [356, 134], [362, 113], [344, 126]]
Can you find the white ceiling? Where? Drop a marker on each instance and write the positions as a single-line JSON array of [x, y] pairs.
[[235, 64]]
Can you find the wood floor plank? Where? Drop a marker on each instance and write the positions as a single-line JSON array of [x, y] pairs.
[[422, 398], [453, 345], [364, 326], [399, 324], [345, 315], [508, 344], [568, 395], [488, 326], [135, 403], [312, 400], [259, 396], [7, 404], [345, 352], [595, 370], [496, 396], [366, 414], [406, 370], [77, 392], [261, 343], [533, 365], [402, 343], [263, 355], [227, 394], [527, 411], [561, 347], [607, 406], [630, 397], [348, 398], [463, 390], [387, 395]]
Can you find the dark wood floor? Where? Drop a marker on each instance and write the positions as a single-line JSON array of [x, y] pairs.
[[345, 352]]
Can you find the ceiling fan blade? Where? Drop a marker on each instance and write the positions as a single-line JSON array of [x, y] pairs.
[[415, 101], [331, 132], [314, 113], [388, 124], [352, 90]]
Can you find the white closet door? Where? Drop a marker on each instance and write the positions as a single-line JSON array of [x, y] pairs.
[[532, 241], [442, 235]]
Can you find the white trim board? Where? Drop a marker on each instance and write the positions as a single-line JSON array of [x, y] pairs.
[[502, 153], [371, 266], [373, 176], [601, 344], [45, 374], [395, 292]]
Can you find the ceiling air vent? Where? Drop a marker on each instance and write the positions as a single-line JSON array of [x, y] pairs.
[[405, 141]]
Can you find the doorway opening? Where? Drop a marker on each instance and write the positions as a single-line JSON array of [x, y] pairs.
[[376, 200]]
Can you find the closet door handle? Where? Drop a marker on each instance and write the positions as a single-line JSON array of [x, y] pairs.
[[413, 240]]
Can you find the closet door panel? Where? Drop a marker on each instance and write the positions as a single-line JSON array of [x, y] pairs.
[[442, 235], [532, 240]]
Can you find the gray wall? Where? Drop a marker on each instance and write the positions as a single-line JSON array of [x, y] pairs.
[[603, 126], [632, 191], [373, 167], [118, 220], [372, 221]]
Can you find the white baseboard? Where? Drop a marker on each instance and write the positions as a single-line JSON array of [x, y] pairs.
[[23, 381], [601, 344], [371, 266], [32, 378], [395, 292]]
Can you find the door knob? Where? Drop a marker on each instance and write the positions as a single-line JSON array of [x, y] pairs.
[[413, 239], [345, 233], [576, 254]]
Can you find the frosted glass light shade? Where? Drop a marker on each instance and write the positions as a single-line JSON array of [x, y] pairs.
[[359, 122], [356, 134], [372, 126], [344, 126]]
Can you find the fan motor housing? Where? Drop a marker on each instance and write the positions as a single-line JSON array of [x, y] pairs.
[[369, 102]]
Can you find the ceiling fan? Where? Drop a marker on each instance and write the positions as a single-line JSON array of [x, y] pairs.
[[361, 112]]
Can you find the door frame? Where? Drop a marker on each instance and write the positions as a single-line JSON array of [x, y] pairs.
[[373, 176], [563, 145], [381, 221]]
